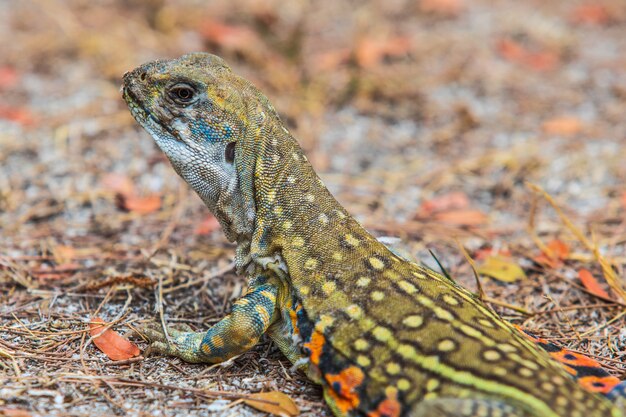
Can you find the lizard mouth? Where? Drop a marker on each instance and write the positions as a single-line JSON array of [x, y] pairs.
[[145, 118]]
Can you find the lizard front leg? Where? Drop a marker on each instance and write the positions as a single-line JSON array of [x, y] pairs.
[[250, 317]]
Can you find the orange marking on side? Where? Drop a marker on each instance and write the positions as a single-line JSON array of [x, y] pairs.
[[602, 384], [315, 345], [579, 360], [349, 379], [389, 407], [293, 316]]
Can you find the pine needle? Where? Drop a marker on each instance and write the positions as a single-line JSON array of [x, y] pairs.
[[607, 269]]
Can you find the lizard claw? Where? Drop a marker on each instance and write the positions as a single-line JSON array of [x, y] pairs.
[[182, 344], [154, 333]]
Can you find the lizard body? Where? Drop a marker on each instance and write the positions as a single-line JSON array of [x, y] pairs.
[[384, 336]]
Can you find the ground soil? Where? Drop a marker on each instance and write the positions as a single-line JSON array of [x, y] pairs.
[[426, 118]]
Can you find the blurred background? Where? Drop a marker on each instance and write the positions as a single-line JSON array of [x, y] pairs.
[[424, 117]]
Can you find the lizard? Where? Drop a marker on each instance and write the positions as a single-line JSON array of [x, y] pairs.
[[383, 336]]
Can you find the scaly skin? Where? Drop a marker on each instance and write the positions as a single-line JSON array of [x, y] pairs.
[[384, 336]]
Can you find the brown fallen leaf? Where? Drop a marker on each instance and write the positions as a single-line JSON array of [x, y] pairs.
[[110, 342], [502, 268], [273, 402], [591, 284], [207, 226], [563, 126]]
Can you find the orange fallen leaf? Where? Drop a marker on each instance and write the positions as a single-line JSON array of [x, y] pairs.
[[57, 272], [142, 205], [502, 268], [8, 77], [273, 402], [330, 60], [557, 252], [110, 342], [516, 52], [559, 249], [445, 8], [563, 126], [451, 201], [484, 253], [591, 284], [19, 115], [370, 52], [229, 36], [542, 60], [511, 50], [461, 217], [118, 183], [590, 14], [207, 226], [63, 254], [14, 412]]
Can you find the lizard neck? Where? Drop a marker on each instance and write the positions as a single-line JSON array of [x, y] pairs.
[[297, 219]]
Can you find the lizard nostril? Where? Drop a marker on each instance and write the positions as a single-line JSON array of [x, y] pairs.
[[142, 76]]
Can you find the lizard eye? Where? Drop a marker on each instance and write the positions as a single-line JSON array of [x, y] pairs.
[[229, 153], [182, 93]]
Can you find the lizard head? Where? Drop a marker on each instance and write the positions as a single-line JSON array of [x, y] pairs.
[[197, 111]]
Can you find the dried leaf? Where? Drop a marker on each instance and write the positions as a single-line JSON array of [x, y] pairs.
[[537, 59], [591, 284], [8, 77], [556, 252], [207, 226], [484, 253], [142, 205], [591, 14], [451, 201], [63, 254], [542, 60], [110, 342], [273, 402], [511, 50], [563, 126], [502, 269], [19, 115], [369, 52], [119, 184], [62, 270], [14, 412], [331, 60], [462, 217], [229, 36], [445, 8]]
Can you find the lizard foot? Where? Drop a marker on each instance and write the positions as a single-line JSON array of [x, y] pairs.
[[182, 344]]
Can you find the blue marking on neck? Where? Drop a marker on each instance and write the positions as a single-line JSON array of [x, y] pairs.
[[211, 132]]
